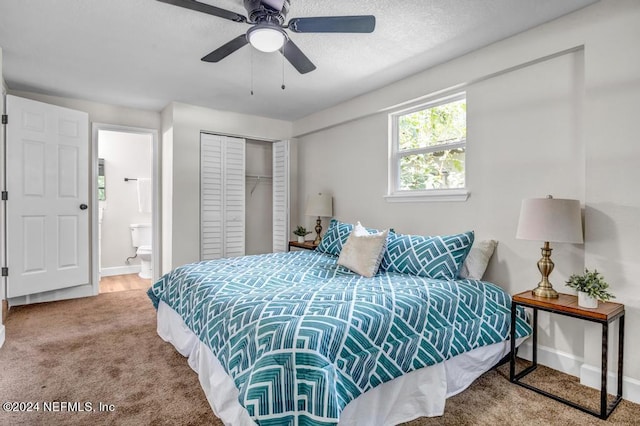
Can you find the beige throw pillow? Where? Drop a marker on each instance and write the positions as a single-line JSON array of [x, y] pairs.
[[477, 260], [362, 254]]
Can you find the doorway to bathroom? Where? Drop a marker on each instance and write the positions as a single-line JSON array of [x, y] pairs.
[[125, 207]]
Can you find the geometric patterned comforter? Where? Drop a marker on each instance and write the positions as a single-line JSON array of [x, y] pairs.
[[302, 336]]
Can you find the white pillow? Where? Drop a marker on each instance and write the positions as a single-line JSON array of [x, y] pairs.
[[477, 260], [362, 254], [359, 230]]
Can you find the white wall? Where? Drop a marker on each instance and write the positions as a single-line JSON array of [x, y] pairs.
[[125, 155], [2, 186], [167, 188], [259, 204], [187, 122], [550, 111], [612, 155], [100, 113]]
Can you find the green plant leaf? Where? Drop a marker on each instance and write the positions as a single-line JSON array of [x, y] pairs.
[[592, 283]]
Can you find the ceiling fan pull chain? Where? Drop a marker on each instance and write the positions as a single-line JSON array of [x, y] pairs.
[[283, 47], [251, 72]]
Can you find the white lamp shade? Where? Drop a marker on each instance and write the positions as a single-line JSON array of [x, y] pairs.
[[266, 39], [550, 219], [320, 205]]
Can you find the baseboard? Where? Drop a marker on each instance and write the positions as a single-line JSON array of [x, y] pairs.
[[119, 270], [590, 376], [5, 312], [575, 366], [552, 358]]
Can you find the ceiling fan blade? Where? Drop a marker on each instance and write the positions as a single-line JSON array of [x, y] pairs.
[[334, 24], [207, 8], [274, 4], [298, 59], [226, 49]]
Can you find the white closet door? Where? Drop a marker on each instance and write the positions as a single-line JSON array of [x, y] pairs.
[[280, 196], [234, 202], [222, 192], [211, 197]]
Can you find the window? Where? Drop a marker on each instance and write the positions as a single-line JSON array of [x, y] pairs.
[[428, 145]]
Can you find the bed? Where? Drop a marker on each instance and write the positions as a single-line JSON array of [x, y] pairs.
[[296, 338]]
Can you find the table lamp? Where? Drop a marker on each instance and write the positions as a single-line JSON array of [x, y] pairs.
[[319, 205], [549, 219]]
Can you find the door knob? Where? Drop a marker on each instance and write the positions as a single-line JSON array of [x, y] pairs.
[[83, 206]]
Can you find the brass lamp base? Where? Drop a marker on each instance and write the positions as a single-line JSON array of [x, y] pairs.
[[545, 266], [318, 231], [546, 292]]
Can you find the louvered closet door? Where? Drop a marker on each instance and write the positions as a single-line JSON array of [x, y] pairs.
[[211, 168], [222, 192], [234, 202], [280, 196]]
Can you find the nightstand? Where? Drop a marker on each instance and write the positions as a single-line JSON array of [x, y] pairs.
[[567, 305], [307, 245]]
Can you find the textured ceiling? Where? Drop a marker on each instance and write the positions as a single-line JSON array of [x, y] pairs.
[[145, 54]]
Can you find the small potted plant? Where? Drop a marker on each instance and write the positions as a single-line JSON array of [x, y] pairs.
[[591, 287], [301, 232]]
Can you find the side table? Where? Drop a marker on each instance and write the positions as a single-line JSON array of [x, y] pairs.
[[307, 245], [567, 305]]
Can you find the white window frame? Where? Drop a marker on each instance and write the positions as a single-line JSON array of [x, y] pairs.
[[394, 194]]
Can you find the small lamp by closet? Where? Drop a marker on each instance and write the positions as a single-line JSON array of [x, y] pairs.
[[319, 205]]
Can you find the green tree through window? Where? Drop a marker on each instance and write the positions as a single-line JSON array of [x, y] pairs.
[[431, 144]]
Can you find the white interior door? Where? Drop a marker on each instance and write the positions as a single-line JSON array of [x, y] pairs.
[[47, 184]]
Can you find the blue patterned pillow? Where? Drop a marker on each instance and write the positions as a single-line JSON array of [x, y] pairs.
[[438, 257], [337, 235]]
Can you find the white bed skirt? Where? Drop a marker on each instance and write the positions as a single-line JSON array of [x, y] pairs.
[[420, 393]]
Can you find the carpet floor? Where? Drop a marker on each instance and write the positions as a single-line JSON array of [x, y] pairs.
[[102, 355]]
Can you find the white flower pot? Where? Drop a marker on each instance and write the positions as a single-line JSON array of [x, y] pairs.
[[300, 239], [586, 301]]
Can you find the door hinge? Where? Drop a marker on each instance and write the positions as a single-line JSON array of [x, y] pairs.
[[5, 195], [5, 271], [5, 119]]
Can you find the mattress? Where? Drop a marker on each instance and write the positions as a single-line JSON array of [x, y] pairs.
[[300, 337]]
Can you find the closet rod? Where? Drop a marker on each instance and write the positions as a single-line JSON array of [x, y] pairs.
[[258, 177], [255, 185]]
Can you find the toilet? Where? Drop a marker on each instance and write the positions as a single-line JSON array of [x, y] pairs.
[[141, 239]]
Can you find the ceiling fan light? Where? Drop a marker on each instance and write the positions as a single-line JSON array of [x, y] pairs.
[[266, 39]]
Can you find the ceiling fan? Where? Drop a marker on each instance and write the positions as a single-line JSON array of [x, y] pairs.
[[267, 32]]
